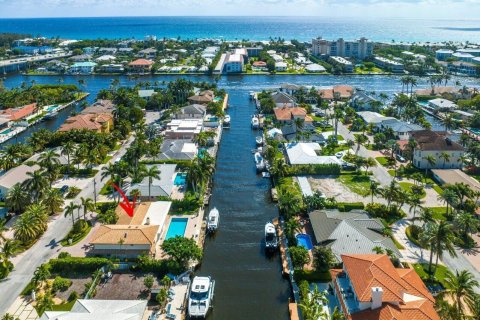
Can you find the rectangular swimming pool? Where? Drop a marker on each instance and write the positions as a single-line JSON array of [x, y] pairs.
[[176, 228], [180, 179], [6, 131]]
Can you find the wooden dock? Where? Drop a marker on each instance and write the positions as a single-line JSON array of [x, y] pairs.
[[282, 247], [293, 311]]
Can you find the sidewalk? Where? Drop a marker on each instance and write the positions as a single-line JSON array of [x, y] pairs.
[[23, 310]]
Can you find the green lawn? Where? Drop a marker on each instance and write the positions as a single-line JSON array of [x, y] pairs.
[[383, 161], [439, 213], [360, 184], [64, 306], [106, 189], [331, 152], [359, 70], [407, 187], [408, 233], [397, 244], [312, 276], [422, 271], [107, 158], [77, 238]]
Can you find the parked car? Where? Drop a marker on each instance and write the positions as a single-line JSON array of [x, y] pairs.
[[64, 189], [400, 158], [348, 166], [320, 114], [339, 155]]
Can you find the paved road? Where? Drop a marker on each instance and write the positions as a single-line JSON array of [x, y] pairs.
[[384, 178], [47, 247]]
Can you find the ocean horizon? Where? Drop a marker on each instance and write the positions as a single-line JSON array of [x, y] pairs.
[[247, 27]]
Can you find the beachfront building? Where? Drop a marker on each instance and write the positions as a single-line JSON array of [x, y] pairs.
[[352, 232], [86, 67], [370, 287], [87, 309], [465, 68], [346, 65], [463, 56], [434, 144], [388, 64], [140, 66], [183, 128], [359, 49], [443, 54]]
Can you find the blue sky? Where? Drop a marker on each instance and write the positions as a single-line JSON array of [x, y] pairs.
[[436, 9]]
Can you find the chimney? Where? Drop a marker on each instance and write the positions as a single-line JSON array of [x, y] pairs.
[[377, 293], [147, 222]]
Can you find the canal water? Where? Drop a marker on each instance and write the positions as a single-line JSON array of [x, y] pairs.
[[249, 285]]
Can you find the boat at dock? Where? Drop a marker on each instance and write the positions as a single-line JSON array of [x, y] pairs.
[[259, 162], [255, 122], [271, 239], [50, 115], [213, 220], [200, 299], [226, 121], [259, 140]]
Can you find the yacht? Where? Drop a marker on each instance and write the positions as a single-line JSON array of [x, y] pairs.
[[226, 121], [255, 122], [50, 115], [271, 240], [201, 297], [259, 140], [213, 220], [259, 163]]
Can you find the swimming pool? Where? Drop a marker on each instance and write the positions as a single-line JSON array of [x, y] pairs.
[[476, 131], [180, 179], [304, 241], [176, 228], [6, 131]]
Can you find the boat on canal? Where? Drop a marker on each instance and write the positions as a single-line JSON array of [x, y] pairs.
[[200, 299], [255, 122], [213, 220], [271, 239], [259, 140], [50, 115], [259, 162], [226, 121]]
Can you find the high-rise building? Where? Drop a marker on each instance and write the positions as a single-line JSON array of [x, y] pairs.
[[359, 49]]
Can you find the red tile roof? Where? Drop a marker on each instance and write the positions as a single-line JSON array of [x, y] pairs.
[[345, 92], [141, 62], [434, 141], [260, 64], [20, 113], [405, 296], [85, 121], [286, 113]]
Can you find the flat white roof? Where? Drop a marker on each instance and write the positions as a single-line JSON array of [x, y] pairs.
[[235, 58]]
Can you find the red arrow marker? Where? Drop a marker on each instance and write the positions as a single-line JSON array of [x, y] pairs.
[[126, 205]]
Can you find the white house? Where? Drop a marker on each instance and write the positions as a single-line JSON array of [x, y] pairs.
[[391, 65], [183, 128], [193, 111], [14, 176], [434, 144], [281, 66], [442, 104], [233, 63], [306, 153]]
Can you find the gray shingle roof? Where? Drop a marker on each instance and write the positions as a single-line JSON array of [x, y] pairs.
[[174, 149], [160, 187]]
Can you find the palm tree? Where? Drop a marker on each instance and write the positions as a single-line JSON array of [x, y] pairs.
[[466, 223], [414, 201], [50, 163], [360, 139], [378, 250], [430, 161], [88, 205], [426, 215], [36, 183], [312, 305], [70, 211], [288, 202], [460, 287], [439, 237], [374, 188], [53, 201], [17, 198], [68, 150], [31, 224], [449, 197], [291, 227], [3, 228], [448, 122], [8, 249], [446, 158], [152, 173], [41, 274]]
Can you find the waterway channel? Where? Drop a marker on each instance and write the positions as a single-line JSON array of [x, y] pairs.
[[249, 285]]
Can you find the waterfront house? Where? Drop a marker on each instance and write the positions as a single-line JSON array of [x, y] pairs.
[[388, 64], [177, 150], [361, 101], [339, 92], [307, 153], [160, 187], [87, 309], [441, 104], [400, 128], [86, 67], [430, 143], [100, 106], [286, 115], [183, 128], [19, 113], [452, 176], [443, 54], [282, 99], [343, 63], [203, 97], [111, 68], [132, 236], [315, 68], [291, 89], [98, 122], [149, 53], [281, 66], [374, 118], [105, 58], [259, 66], [233, 63], [14, 176], [193, 111], [141, 66], [146, 94], [352, 232], [369, 287], [465, 68]]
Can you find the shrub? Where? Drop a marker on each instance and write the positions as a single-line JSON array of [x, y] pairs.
[[158, 267], [77, 264], [349, 206], [413, 234], [73, 296], [317, 169], [79, 226], [379, 210], [299, 256], [64, 255], [61, 284]]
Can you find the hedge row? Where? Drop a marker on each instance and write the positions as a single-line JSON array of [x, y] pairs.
[[181, 164], [317, 169], [78, 264], [158, 267], [346, 206]]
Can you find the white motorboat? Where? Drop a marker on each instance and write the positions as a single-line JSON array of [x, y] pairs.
[[255, 122], [226, 121], [259, 162], [259, 140], [271, 240], [50, 115], [201, 297], [213, 220]]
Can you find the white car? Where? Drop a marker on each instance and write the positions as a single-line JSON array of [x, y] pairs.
[[339, 155]]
